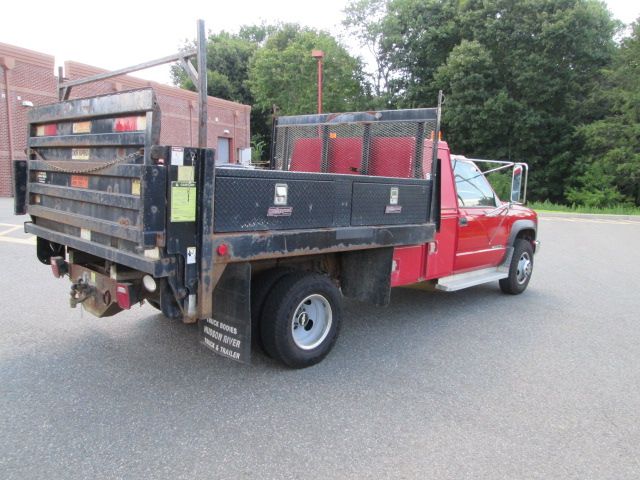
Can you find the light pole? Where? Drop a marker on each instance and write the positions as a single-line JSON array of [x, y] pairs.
[[319, 55]]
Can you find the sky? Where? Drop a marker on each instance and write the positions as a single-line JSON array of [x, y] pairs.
[[116, 34]]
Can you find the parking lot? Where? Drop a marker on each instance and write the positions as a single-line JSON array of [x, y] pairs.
[[472, 384]]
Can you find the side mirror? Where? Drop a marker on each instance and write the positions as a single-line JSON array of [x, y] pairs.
[[516, 183]]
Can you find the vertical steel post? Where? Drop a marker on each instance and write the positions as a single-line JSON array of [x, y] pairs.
[[434, 215], [202, 86], [319, 55], [320, 85]]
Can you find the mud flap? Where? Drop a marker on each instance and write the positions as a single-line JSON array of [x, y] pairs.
[[228, 333], [366, 275]]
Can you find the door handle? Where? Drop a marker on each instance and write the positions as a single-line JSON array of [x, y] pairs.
[[464, 221]]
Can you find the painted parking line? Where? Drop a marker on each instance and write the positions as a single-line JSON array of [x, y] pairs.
[[8, 228], [12, 229], [589, 220], [19, 241]]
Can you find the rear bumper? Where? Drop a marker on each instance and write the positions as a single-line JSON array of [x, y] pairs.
[[155, 267]]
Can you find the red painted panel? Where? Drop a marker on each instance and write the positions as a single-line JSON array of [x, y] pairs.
[[392, 156], [345, 155], [306, 155], [409, 265]]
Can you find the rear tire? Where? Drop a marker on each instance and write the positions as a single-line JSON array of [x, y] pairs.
[[301, 319], [261, 285], [520, 269]]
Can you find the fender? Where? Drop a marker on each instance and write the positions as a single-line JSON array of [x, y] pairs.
[[520, 225]]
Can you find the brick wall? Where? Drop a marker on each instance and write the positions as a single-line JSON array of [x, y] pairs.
[[179, 109], [31, 78]]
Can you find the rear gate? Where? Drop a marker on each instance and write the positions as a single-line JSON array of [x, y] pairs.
[[89, 177]]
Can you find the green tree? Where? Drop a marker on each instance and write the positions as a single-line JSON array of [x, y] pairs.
[[284, 73], [364, 20], [228, 59], [519, 75], [611, 164]]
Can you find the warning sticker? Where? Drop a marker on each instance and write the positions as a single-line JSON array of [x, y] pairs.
[[80, 154], [191, 255], [183, 201], [177, 156]]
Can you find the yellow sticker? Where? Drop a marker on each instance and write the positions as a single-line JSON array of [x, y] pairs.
[[93, 278], [82, 127], [183, 201], [185, 174], [80, 154], [135, 187]]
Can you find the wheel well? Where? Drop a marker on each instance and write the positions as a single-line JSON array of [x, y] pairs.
[[527, 234]]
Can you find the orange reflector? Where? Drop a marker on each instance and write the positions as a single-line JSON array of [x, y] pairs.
[[80, 181], [81, 127], [130, 124]]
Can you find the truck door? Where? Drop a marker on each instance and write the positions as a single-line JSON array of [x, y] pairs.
[[481, 229]]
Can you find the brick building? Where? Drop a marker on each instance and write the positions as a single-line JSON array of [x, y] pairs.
[[27, 79]]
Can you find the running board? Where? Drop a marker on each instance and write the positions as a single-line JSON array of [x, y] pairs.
[[459, 281]]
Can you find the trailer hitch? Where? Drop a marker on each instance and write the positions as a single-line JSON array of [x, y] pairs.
[[80, 292]]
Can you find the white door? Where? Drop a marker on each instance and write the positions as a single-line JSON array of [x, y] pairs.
[[222, 154]]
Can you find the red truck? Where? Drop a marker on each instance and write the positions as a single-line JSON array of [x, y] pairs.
[[352, 205]]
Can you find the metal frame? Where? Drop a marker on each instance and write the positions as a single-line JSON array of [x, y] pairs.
[[505, 164]]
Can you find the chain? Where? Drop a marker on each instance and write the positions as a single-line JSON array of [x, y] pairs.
[[131, 156]]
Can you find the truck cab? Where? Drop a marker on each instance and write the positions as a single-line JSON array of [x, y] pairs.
[[478, 232]]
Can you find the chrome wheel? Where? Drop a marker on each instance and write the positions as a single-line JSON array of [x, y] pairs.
[[311, 322], [523, 270]]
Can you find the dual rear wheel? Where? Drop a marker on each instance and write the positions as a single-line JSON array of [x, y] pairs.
[[296, 316]]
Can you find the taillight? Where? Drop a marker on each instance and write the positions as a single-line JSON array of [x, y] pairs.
[[130, 124], [123, 295], [46, 130], [59, 267]]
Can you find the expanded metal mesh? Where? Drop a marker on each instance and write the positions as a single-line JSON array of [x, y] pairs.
[[391, 149]]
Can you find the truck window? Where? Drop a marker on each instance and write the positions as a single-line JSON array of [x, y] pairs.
[[472, 186]]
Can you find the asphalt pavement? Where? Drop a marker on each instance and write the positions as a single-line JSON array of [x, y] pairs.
[[473, 384]]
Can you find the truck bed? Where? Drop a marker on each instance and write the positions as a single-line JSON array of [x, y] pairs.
[[97, 181]]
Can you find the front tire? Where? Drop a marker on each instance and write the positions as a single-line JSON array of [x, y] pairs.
[[520, 269], [301, 319]]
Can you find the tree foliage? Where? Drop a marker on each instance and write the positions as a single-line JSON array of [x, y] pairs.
[[540, 81], [611, 163], [284, 73], [364, 20], [518, 75]]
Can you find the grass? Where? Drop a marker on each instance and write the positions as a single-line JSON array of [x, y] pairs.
[[548, 206]]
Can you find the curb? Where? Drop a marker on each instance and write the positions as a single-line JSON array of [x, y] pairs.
[[595, 216]]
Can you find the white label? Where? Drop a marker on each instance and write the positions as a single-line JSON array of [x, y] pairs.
[[85, 234], [80, 154], [191, 255], [177, 156], [393, 196]]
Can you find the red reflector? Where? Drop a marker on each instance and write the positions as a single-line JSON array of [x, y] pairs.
[[222, 250], [59, 267], [123, 295], [47, 130], [129, 124]]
